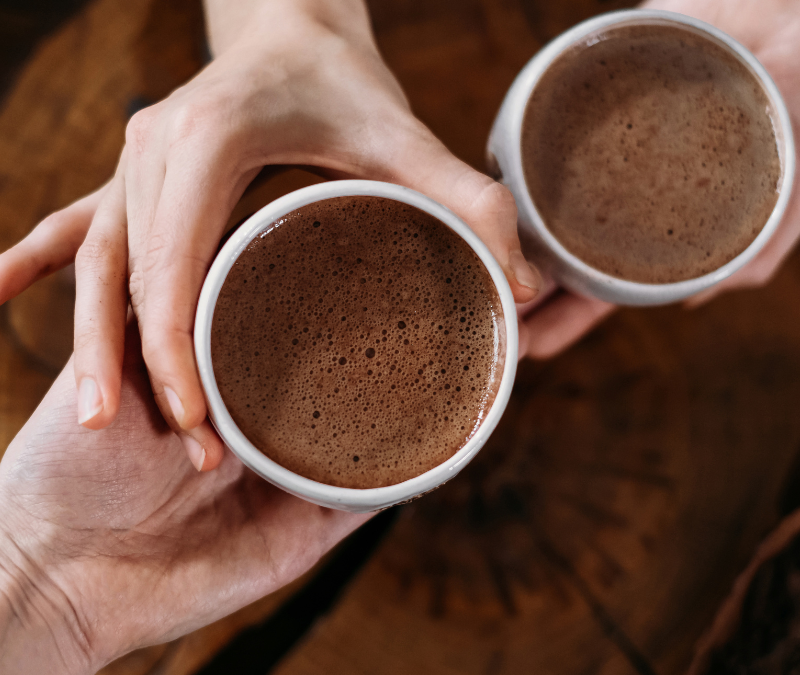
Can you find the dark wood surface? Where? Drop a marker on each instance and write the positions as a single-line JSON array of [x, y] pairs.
[[631, 478]]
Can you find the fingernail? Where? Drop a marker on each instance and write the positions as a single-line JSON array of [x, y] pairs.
[[90, 401], [196, 452], [175, 405], [527, 275]]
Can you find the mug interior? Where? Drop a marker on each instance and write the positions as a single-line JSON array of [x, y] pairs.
[[616, 289], [352, 499]]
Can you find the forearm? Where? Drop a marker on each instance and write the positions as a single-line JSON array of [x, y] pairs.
[[231, 21]]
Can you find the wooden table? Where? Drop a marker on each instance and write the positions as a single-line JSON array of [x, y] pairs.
[[629, 481]]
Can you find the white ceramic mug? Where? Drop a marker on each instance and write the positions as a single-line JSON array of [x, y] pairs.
[[348, 499], [504, 156]]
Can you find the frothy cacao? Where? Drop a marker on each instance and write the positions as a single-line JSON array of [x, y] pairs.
[[649, 152], [358, 342]]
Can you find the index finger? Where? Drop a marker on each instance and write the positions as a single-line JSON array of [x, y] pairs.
[[51, 245]]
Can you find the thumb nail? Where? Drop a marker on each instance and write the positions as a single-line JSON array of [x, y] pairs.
[[526, 274]]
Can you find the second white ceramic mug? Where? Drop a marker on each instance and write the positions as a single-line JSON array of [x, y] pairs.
[[504, 155], [347, 499]]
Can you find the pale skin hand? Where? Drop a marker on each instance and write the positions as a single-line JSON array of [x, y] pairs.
[[110, 540], [293, 82], [771, 30]]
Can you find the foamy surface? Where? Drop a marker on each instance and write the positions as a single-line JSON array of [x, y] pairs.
[[359, 342], [650, 154]]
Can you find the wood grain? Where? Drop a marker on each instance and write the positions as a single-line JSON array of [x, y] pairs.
[[630, 479], [62, 128]]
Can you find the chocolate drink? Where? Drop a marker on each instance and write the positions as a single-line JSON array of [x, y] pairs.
[[359, 342], [650, 154]]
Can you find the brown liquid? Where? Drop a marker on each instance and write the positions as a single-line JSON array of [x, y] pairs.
[[650, 154], [359, 342]]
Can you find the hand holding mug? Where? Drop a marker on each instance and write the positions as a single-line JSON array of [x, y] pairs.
[[292, 83], [772, 33]]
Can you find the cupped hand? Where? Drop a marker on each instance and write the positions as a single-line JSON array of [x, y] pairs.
[[771, 30], [110, 541], [292, 88]]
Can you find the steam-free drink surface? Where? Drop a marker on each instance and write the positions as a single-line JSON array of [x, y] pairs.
[[358, 342], [649, 152]]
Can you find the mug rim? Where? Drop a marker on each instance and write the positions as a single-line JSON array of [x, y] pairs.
[[349, 499], [619, 290]]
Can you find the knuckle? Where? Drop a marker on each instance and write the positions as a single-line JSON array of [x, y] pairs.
[[496, 201], [139, 129], [54, 223], [153, 272], [165, 252], [158, 256], [190, 120], [159, 341], [37, 247], [136, 289], [158, 244], [152, 345], [92, 253]]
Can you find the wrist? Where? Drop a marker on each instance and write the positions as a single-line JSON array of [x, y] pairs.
[[252, 22], [40, 630]]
